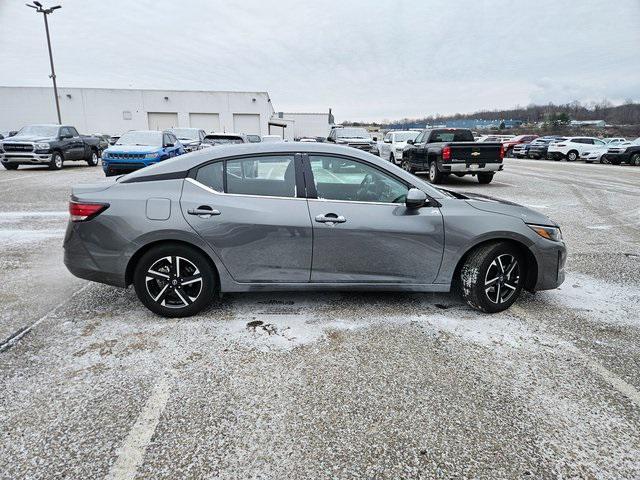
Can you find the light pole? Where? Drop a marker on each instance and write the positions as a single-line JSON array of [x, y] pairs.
[[46, 11]]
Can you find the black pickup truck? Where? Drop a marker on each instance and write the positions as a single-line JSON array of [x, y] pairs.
[[50, 145], [445, 151]]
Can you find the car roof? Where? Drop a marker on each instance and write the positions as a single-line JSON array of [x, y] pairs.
[[188, 161]]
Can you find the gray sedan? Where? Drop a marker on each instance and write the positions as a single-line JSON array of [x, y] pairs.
[[302, 216]]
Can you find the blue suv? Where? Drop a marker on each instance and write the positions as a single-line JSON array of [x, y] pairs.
[[138, 149]]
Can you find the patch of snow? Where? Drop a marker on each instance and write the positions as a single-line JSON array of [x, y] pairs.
[[15, 236]]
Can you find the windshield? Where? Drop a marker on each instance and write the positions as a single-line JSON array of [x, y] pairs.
[[452, 136], [141, 138], [352, 133], [220, 140], [185, 133], [39, 131], [404, 136]]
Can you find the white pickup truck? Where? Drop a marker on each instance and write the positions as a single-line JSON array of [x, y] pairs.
[[394, 142]]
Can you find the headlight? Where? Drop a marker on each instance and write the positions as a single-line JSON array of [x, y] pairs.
[[550, 233], [41, 146], [151, 155]]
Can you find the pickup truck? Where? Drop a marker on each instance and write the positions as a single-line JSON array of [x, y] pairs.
[[50, 145], [445, 151]]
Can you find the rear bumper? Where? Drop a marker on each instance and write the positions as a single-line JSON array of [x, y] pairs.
[[25, 158], [469, 167]]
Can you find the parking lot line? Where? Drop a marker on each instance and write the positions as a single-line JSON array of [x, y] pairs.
[[131, 453], [614, 380]]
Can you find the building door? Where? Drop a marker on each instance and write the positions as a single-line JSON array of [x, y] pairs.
[[209, 122], [162, 120], [247, 123]]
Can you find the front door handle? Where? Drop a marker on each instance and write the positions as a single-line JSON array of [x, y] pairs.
[[330, 218], [203, 211]]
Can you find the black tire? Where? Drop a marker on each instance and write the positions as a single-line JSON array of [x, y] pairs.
[[57, 161], [484, 178], [572, 156], [92, 161], [635, 160], [10, 166], [435, 176], [392, 159], [483, 263], [170, 297], [407, 166]]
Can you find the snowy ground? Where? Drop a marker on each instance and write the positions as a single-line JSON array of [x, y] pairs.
[[327, 385]]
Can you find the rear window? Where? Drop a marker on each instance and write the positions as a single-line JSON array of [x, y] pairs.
[[451, 136]]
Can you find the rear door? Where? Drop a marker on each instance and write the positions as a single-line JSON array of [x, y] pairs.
[[362, 231], [249, 211]]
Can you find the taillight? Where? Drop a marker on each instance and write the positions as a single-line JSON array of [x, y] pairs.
[[81, 212], [502, 152], [446, 153]]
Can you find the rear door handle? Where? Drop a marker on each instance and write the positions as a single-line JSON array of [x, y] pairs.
[[203, 211], [330, 218]]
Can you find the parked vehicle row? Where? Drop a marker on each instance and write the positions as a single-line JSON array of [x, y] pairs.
[[50, 145]]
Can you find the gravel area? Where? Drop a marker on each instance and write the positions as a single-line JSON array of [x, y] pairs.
[[330, 385]]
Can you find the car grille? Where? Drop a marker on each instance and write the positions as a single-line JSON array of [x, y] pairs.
[[116, 167], [124, 156], [17, 147]]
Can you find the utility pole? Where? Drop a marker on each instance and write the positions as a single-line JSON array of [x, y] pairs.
[[46, 11]]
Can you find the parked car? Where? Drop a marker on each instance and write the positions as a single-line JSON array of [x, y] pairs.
[[625, 153], [138, 149], [508, 145], [394, 143], [214, 139], [537, 149], [103, 142], [270, 216], [254, 138], [443, 151], [272, 138], [50, 145], [190, 138], [614, 140], [355, 137], [572, 147]]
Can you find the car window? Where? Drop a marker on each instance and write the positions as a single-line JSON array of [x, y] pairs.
[[64, 131], [339, 178], [599, 142], [419, 138], [73, 132], [272, 175], [211, 176]]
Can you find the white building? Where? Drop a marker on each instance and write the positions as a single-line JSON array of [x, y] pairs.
[[114, 111], [304, 124]]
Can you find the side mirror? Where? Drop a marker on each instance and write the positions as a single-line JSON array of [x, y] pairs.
[[168, 145], [410, 142], [415, 198], [387, 141]]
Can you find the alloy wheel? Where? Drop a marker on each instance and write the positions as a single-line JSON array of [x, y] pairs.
[[58, 161], [174, 282], [502, 279], [432, 171]]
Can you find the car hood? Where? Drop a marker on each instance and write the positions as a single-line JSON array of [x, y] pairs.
[[28, 138], [400, 145], [504, 207], [133, 149]]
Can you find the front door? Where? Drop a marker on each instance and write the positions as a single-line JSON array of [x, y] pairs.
[[248, 210], [362, 231]]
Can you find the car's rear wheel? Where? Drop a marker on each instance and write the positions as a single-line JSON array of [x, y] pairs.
[[92, 161], [635, 159], [492, 277], [435, 176], [485, 178], [572, 156], [10, 166], [57, 161], [174, 280], [407, 166]]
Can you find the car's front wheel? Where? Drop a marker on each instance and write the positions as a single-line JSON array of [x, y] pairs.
[[407, 166], [635, 160], [57, 161], [492, 277], [174, 280], [572, 156], [92, 161]]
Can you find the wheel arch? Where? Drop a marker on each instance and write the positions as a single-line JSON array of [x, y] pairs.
[[135, 258], [531, 264]]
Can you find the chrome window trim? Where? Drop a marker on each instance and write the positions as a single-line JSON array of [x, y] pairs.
[[216, 192]]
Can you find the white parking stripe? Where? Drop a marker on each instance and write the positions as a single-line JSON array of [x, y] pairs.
[[614, 380], [131, 453]]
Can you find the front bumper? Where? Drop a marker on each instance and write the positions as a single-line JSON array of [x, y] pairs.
[[551, 258], [119, 168], [469, 167], [25, 158]]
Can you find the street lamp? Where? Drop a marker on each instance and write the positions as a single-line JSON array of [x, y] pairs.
[[46, 11]]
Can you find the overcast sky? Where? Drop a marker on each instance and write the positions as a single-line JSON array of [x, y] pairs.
[[369, 60]]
